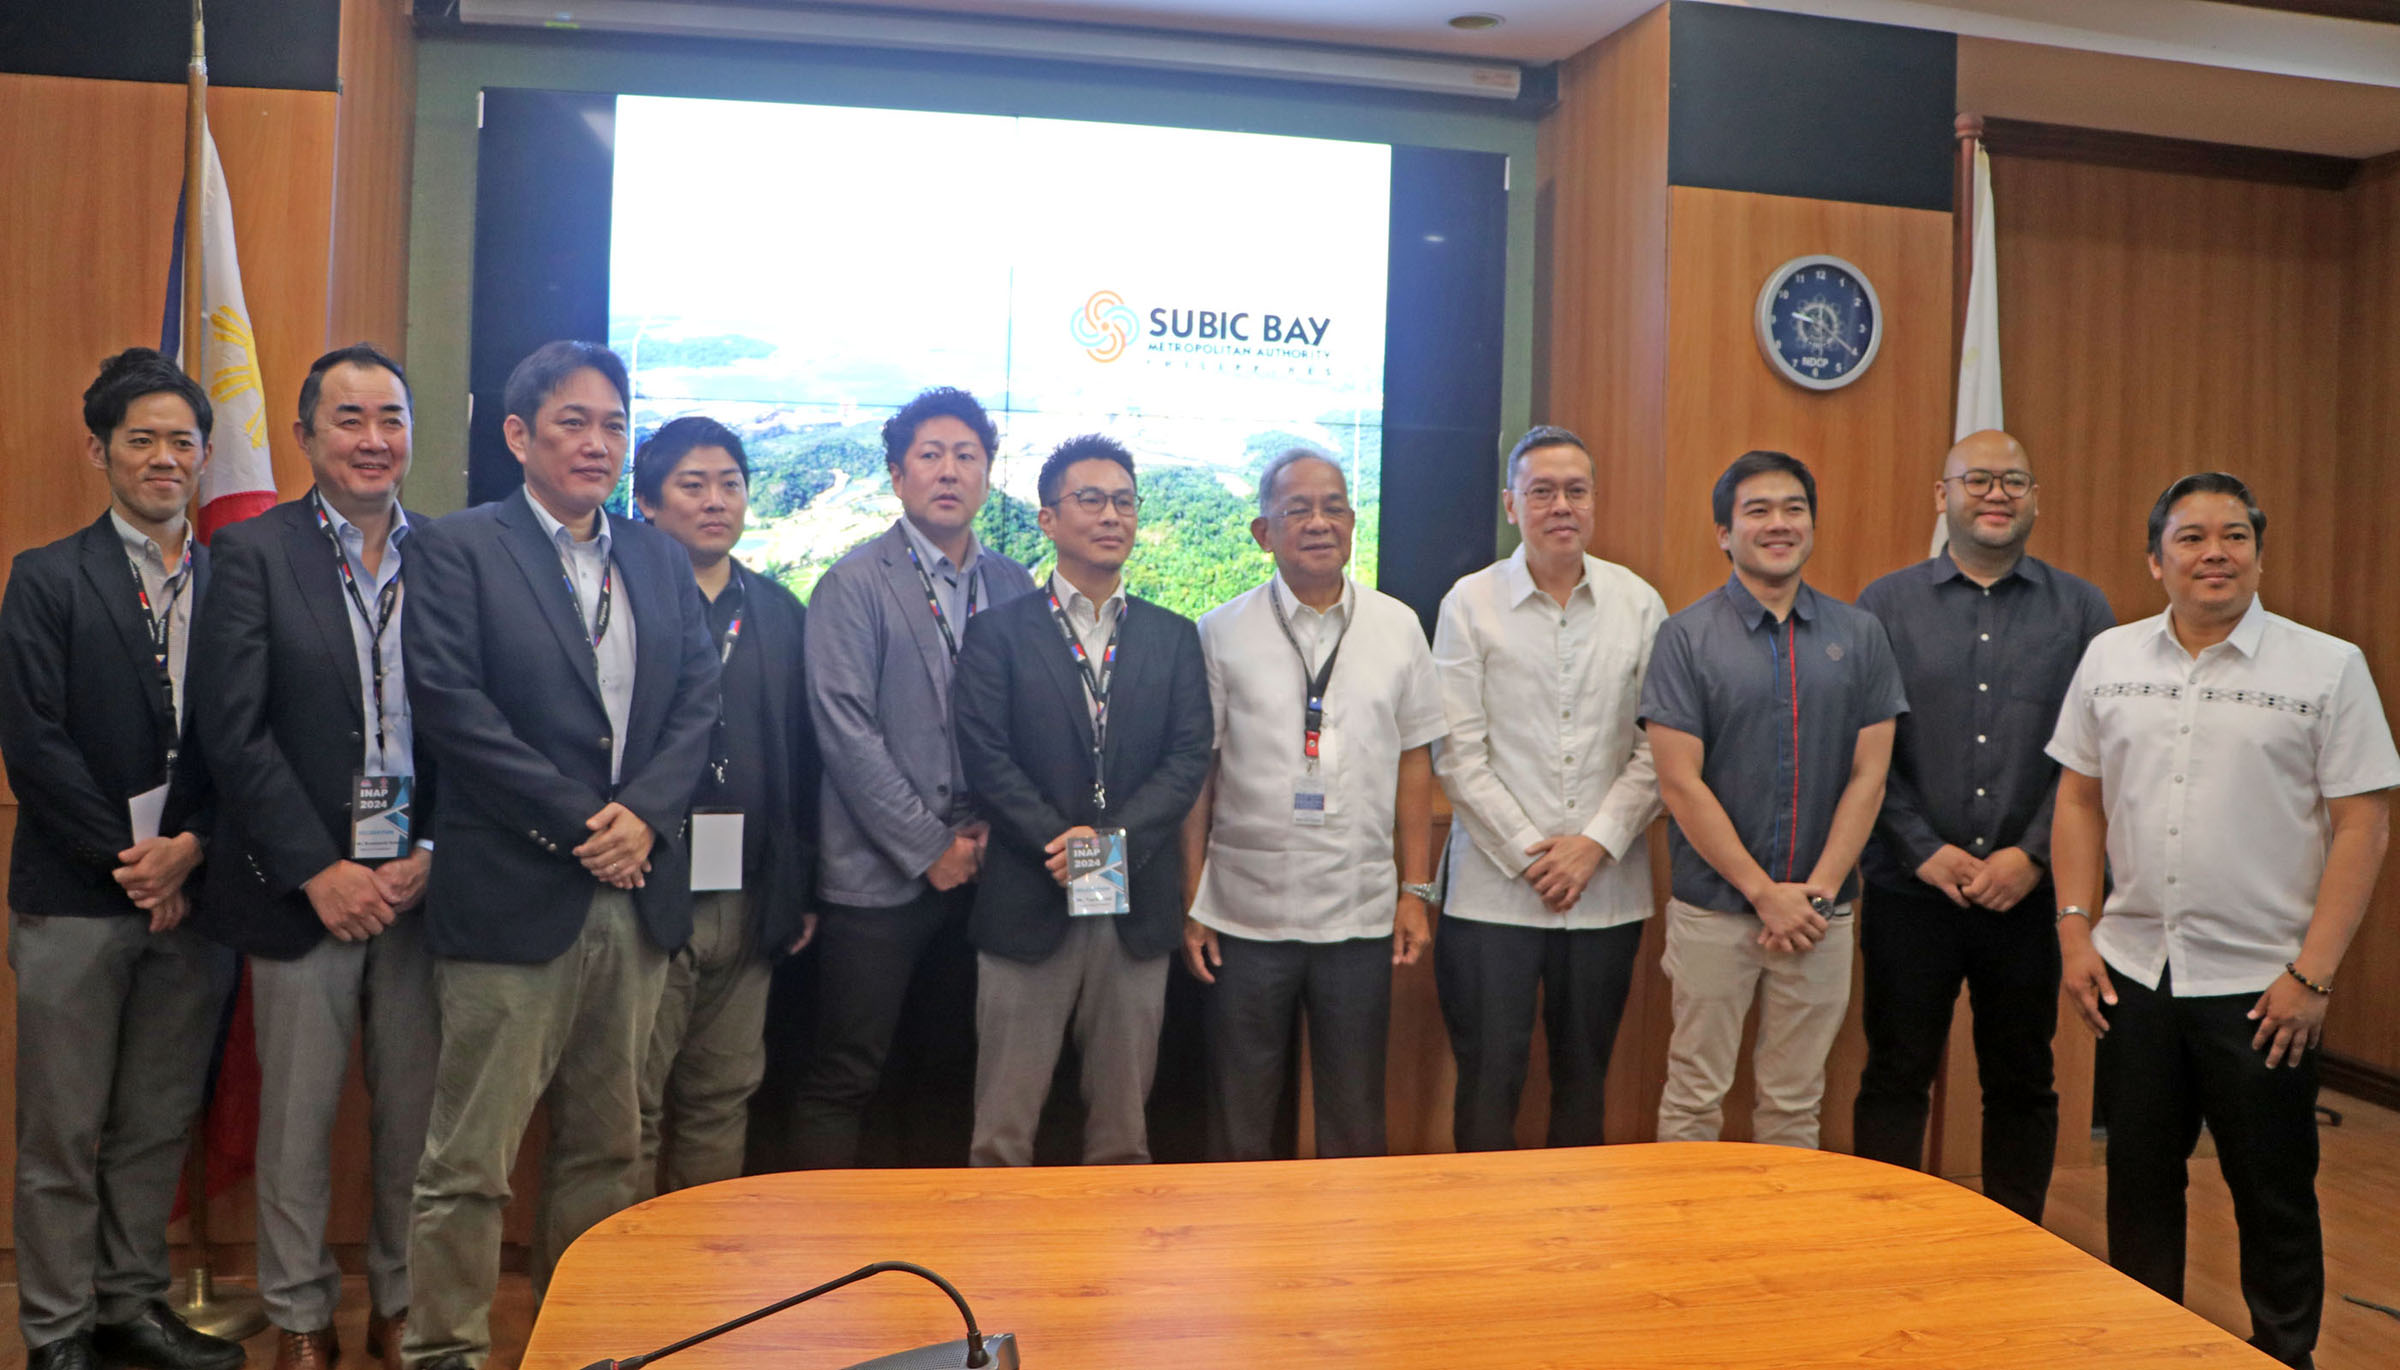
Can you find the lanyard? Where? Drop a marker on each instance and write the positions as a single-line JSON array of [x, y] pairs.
[[161, 623], [934, 602], [1096, 683], [721, 755], [387, 602], [596, 629], [1313, 702]]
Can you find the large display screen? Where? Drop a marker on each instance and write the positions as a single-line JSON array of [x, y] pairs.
[[1210, 299]]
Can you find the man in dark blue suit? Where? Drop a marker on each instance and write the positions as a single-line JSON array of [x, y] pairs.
[[117, 1000], [1078, 709], [301, 706], [561, 675]]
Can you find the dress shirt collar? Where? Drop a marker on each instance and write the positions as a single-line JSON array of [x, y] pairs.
[[2244, 638], [1346, 607], [139, 546], [1943, 567], [937, 560], [1804, 604], [565, 540], [1518, 577], [1079, 605], [354, 538]]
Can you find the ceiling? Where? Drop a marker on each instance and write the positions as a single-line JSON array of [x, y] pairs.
[[2179, 68]]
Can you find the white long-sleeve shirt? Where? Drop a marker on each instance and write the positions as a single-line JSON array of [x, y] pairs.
[[1541, 702]]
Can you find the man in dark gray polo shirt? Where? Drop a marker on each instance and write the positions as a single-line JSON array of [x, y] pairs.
[[1958, 871], [1770, 711]]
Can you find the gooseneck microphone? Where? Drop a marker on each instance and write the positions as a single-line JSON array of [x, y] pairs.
[[999, 1352]]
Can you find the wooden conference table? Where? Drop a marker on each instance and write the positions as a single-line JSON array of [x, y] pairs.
[[1721, 1255]]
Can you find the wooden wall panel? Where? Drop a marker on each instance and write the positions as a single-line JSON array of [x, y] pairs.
[[372, 144], [2364, 1023]]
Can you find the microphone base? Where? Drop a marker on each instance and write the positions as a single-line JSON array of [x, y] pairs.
[[1000, 1349]]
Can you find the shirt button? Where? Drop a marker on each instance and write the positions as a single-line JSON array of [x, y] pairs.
[[1978, 841], [1983, 637], [2174, 832], [2185, 728], [1566, 713], [1979, 738], [2170, 879], [2179, 780], [1570, 761], [1979, 793], [1981, 686]]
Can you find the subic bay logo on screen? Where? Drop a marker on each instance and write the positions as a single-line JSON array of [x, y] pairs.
[[1105, 327]]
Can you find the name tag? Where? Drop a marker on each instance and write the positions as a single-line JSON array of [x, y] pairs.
[[379, 815], [717, 849], [1308, 799], [1096, 875]]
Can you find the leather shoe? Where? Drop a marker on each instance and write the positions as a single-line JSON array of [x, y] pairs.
[[155, 1339], [73, 1352], [383, 1338], [305, 1350]]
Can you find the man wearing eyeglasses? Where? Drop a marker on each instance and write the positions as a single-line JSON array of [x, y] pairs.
[[1986, 639], [1541, 657], [1326, 711], [1082, 713]]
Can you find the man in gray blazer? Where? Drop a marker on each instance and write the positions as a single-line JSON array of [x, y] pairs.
[[900, 846]]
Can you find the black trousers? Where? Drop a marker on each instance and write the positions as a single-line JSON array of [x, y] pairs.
[[868, 960], [1486, 974], [1918, 947], [1262, 988], [2167, 1065]]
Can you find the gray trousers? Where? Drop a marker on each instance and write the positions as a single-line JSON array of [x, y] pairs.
[[708, 1050], [115, 1024], [1253, 1012], [1022, 1012], [306, 1011], [571, 1032]]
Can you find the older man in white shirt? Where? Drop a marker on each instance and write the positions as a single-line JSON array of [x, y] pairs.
[[1326, 710], [2233, 767], [1541, 657]]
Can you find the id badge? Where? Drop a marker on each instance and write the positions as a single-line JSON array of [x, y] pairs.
[[1308, 798], [716, 849], [1096, 875], [379, 815]]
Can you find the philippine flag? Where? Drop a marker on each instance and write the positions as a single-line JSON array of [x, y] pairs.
[[239, 480]]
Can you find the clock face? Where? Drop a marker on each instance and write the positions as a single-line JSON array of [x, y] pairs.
[[1819, 322]]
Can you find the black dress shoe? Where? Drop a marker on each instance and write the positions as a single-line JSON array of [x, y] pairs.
[[155, 1339], [67, 1353]]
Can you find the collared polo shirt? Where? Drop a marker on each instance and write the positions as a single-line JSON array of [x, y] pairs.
[[1985, 667], [1778, 708], [1267, 877], [2214, 771]]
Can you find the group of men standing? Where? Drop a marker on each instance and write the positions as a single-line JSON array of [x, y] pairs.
[[531, 799]]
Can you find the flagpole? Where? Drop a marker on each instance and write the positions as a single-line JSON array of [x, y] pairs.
[[1969, 130], [195, 185]]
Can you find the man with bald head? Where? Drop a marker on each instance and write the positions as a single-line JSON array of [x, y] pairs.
[[1987, 639]]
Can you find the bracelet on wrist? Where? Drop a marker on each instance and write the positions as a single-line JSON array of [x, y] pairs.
[[2067, 911], [2320, 990]]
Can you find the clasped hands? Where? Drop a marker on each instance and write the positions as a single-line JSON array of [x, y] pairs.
[[152, 871], [355, 902], [1997, 882]]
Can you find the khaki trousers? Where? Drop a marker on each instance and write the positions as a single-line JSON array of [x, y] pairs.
[[708, 1050], [572, 1033], [1718, 969]]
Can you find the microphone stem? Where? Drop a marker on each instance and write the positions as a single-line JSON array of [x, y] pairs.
[[975, 1355]]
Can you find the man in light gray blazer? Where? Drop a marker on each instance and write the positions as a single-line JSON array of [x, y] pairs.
[[900, 846]]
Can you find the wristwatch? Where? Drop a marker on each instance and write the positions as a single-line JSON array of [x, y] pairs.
[[1426, 891]]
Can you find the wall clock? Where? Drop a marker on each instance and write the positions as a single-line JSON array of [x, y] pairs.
[[1819, 322]]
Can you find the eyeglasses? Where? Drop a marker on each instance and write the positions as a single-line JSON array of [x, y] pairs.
[[1542, 494], [1337, 512], [1979, 482], [1091, 499]]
